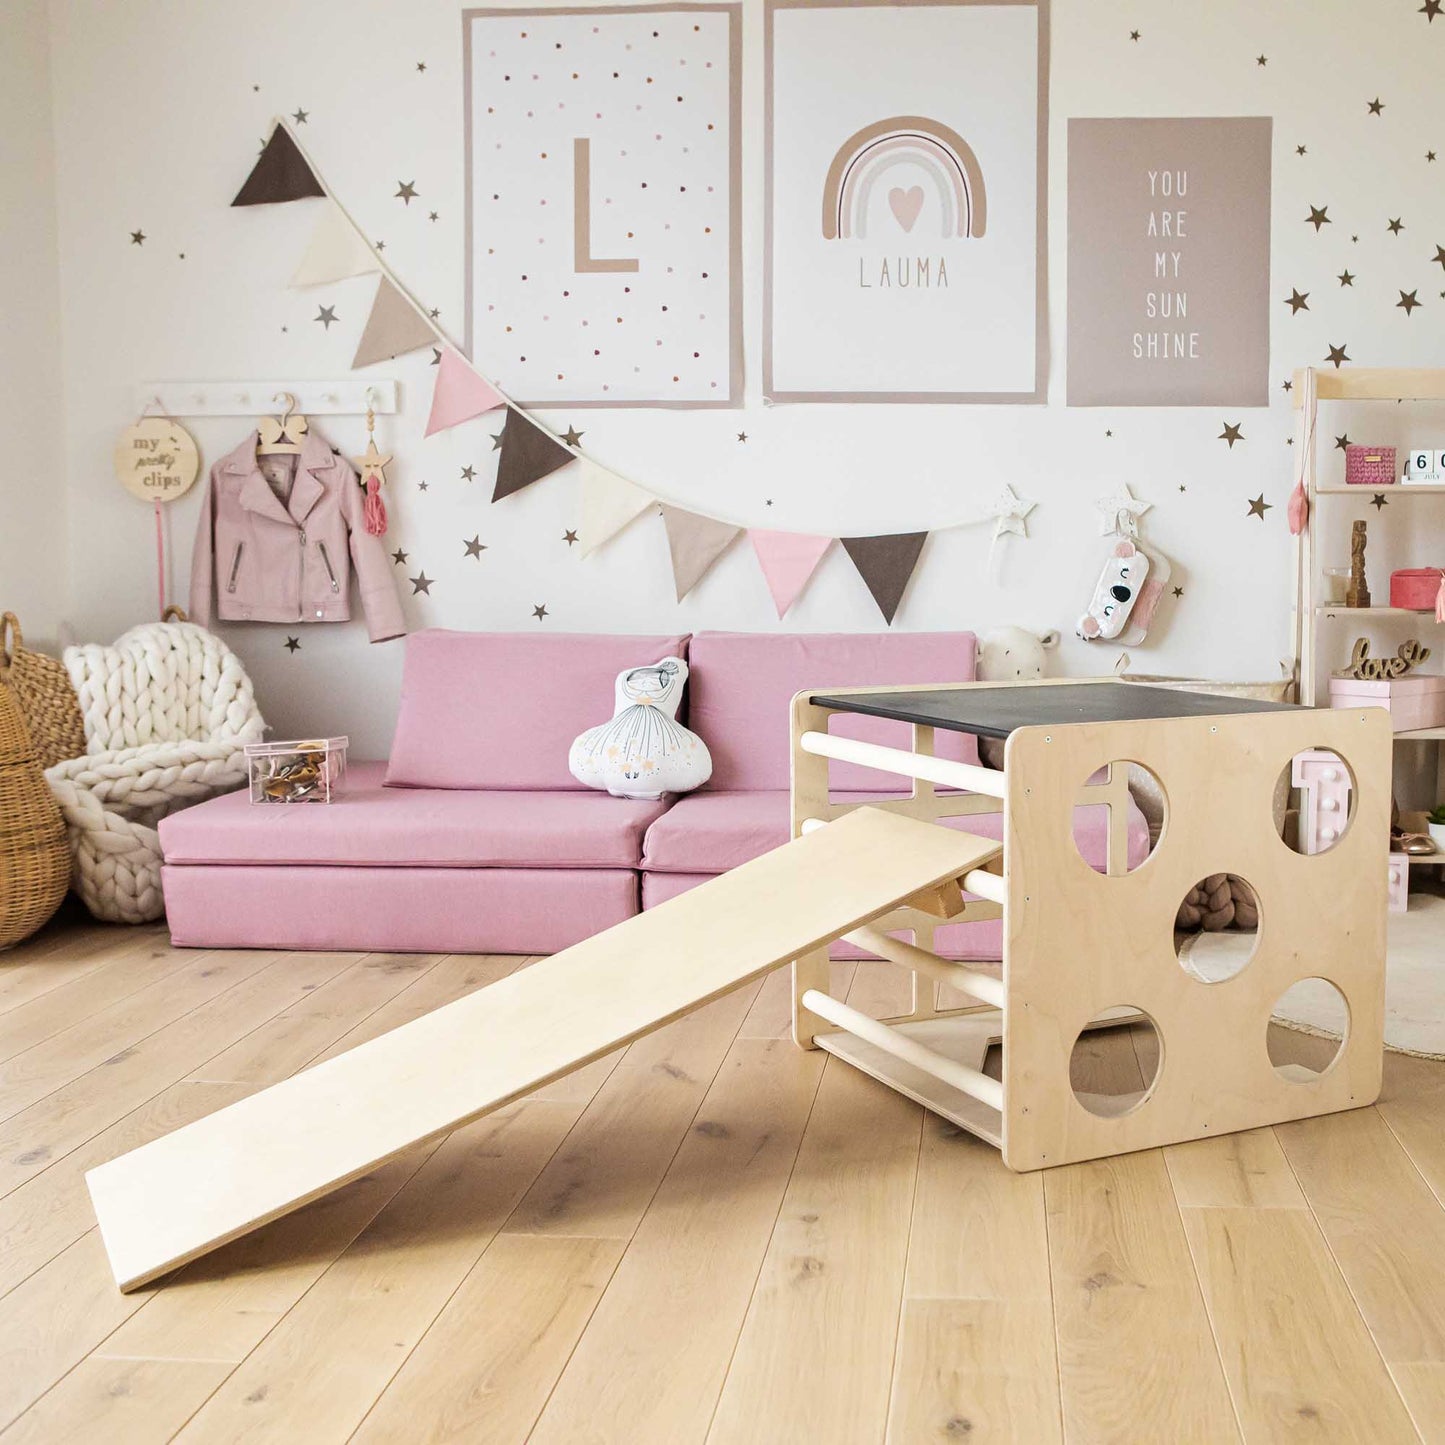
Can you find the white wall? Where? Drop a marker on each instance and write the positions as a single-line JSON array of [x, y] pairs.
[[160, 111], [33, 556]]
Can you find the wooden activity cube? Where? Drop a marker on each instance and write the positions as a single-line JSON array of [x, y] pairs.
[[1084, 949]]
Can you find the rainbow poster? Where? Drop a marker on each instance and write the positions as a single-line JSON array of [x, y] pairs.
[[905, 218]]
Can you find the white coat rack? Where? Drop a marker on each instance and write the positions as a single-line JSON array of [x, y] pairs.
[[350, 397]]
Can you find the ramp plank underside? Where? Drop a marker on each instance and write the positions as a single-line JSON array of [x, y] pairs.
[[184, 1194]]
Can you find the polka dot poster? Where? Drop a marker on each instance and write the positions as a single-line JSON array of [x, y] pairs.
[[603, 214]]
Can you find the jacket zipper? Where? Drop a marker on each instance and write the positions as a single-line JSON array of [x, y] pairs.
[[301, 577], [321, 547], [235, 566]]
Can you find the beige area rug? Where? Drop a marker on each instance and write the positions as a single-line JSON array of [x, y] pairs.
[[1414, 980]]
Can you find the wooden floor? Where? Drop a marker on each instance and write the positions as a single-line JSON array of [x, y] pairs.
[[710, 1237]]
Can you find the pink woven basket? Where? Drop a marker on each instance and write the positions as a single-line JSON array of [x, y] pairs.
[[1370, 466]]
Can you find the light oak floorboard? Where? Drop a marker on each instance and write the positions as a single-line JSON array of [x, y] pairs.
[[56, 958]]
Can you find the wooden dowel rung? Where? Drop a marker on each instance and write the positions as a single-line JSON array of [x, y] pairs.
[[968, 776], [908, 955], [891, 1041], [986, 885]]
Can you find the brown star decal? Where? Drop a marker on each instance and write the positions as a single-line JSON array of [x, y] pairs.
[[1439, 255], [406, 191], [1317, 218], [325, 315], [1258, 507], [1395, 226], [399, 557], [1346, 278], [742, 436], [1287, 384], [1261, 60], [1337, 357], [300, 116], [1430, 156], [1342, 442], [469, 473], [1409, 300], [1179, 592], [293, 644], [1231, 434], [421, 583], [1300, 151], [475, 547], [422, 486], [539, 611], [1378, 501], [137, 238], [1297, 301], [570, 538], [572, 437], [1133, 35], [1377, 106], [1430, 9], [497, 440]]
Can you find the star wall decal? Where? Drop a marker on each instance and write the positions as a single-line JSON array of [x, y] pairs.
[[1439, 255], [1300, 151], [423, 486], [1133, 35], [1430, 157], [1231, 434], [1346, 278], [1318, 218], [1409, 300], [300, 116], [1378, 501], [421, 66], [293, 644], [742, 436], [1430, 9], [1338, 356], [1258, 507], [432, 216], [497, 440], [469, 473], [399, 557], [1395, 226], [570, 538], [572, 437], [436, 356], [380, 246], [475, 547], [1297, 301], [405, 192], [1120, 512], [137, 238], [1376, 106], [1342, 442], [325, 315], [1261, 60], [540, 611], [421, 583], [1287, 384], [434, 312], [1179, 592]]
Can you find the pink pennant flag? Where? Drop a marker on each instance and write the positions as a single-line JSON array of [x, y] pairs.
[[788, 560], [460, 393]]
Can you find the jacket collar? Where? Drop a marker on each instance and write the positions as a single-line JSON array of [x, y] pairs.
[[313, 466]]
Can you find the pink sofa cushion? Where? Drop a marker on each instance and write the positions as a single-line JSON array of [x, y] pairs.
[[709, 832], [500, 709], [741, 686], [374, 826]]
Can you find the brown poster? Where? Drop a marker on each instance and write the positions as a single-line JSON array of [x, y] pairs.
[[1169, 262]]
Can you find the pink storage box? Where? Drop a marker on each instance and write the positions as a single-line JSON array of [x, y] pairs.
[[1370, 466], [1415, 587], [1416, 701]]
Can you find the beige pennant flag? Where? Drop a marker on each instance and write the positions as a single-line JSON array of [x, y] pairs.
[[395, 326], [335, 251], [695, 544], [609, 503]]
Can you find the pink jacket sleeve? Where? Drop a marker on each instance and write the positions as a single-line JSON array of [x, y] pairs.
[[373, 567], [203, 559]]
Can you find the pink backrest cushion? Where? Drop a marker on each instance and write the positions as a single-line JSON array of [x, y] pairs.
[[741, 686], [500, 709]]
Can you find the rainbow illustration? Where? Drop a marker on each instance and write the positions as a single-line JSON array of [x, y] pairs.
[[865, 158]]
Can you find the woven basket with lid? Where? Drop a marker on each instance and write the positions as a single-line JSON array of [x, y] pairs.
[[34, 858]]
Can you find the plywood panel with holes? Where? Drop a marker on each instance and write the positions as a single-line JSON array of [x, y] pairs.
[[1078, 943]]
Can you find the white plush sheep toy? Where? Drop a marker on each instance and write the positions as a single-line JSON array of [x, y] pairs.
[[643, 752], [1011, 654]]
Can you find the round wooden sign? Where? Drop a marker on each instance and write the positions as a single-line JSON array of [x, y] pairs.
[[156, 459]]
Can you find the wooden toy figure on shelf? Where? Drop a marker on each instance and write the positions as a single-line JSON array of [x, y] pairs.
[[1358, 592]]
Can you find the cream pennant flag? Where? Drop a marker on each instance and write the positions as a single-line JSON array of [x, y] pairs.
[[695, 543], [609, 503], [335, 251], [394, 326]]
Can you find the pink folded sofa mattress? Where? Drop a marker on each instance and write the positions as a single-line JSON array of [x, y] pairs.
[[473, 837]]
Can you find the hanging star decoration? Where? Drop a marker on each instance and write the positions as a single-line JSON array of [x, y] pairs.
[[1010, 513], [399, 557], [1378, 501], [572, 437], [421, 583], [539, 611], [1232, 433], [475, 547], [406, 191], [1258, 507], [1338, 356], [1409, 300], [293, 644], [1297, 301], [371, 468], [1318, 217], [1119, 513]]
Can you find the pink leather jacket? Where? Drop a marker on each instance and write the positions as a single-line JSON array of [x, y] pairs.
[[258, 559]]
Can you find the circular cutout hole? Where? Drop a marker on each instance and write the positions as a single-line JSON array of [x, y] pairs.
[[1320, 1020], [1147, 812], [1314, 801], [1216, 930], [1115, 1061]]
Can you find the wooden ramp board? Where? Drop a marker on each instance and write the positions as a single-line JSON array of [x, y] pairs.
[[179, 1196]]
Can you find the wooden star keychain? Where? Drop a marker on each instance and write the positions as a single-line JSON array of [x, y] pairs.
[[372, 466]]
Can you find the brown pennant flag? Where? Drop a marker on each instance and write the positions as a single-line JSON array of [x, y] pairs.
[[394, 327], [528, 454], [886, 564], [695, 544], [281, 174]]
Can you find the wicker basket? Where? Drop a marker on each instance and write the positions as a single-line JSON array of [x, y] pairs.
[[47, 701], [34, 857]]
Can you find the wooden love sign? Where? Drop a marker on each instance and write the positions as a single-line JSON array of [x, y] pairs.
[[1379, 669], [156, 459]]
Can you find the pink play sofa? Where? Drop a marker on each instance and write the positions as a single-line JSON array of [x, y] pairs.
[[473, 836]]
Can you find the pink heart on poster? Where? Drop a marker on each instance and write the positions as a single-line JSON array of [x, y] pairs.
[[906, 205]]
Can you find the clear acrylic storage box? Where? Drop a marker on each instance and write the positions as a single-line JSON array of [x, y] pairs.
[[313, 771]]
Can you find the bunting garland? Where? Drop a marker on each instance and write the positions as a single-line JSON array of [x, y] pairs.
[[396, 324]]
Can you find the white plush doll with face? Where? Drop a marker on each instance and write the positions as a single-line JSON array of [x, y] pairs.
[[643, 752], [1011, 654]]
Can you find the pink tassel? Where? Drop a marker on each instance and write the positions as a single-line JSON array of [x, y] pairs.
[[375, 507], [1298, 511], [1440, 600]]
